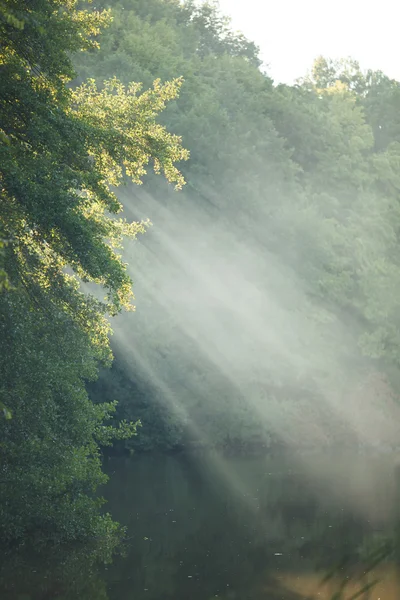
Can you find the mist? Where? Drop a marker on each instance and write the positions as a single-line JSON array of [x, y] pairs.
[[245, 438], [228, 333]]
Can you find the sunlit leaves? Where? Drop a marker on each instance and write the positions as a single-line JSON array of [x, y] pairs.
[[61, 152], [322, 193], [131, 135]]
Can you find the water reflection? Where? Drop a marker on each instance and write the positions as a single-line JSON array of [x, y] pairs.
[[271, 528], [72, 573], [200, 527]]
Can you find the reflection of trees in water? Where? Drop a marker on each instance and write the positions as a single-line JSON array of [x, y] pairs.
[[376, 573], [375, 577], [67, 573], [255, 532], [73, 573], [208, 533]]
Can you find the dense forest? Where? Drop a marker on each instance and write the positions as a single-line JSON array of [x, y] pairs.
[[267, 290], [267, 280]]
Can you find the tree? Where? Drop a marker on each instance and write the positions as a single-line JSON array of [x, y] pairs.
[[375, 92], [286, 184], [62, 151]]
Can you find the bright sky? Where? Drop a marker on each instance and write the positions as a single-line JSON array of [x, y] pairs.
[[291, 33]]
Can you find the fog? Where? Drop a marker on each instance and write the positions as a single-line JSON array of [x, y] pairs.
[[229, 335]]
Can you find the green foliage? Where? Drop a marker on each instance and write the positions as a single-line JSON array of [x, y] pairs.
[[51, 463], [294, 188], [137, 399], [304, 175], [62, 154]]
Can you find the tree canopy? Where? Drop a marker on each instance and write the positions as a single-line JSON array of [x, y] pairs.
[[300, 179], [63, 152], [268, 288]]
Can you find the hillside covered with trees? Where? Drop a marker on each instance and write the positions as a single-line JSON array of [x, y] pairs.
[[267, 290], [62, 153], [267, 284]]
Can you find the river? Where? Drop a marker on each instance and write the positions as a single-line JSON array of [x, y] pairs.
[[204, 526]]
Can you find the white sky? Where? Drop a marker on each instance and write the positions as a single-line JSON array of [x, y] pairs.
[[291, 33]]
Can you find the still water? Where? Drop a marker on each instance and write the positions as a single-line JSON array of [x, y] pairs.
[[205, 527], [288, 527]]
